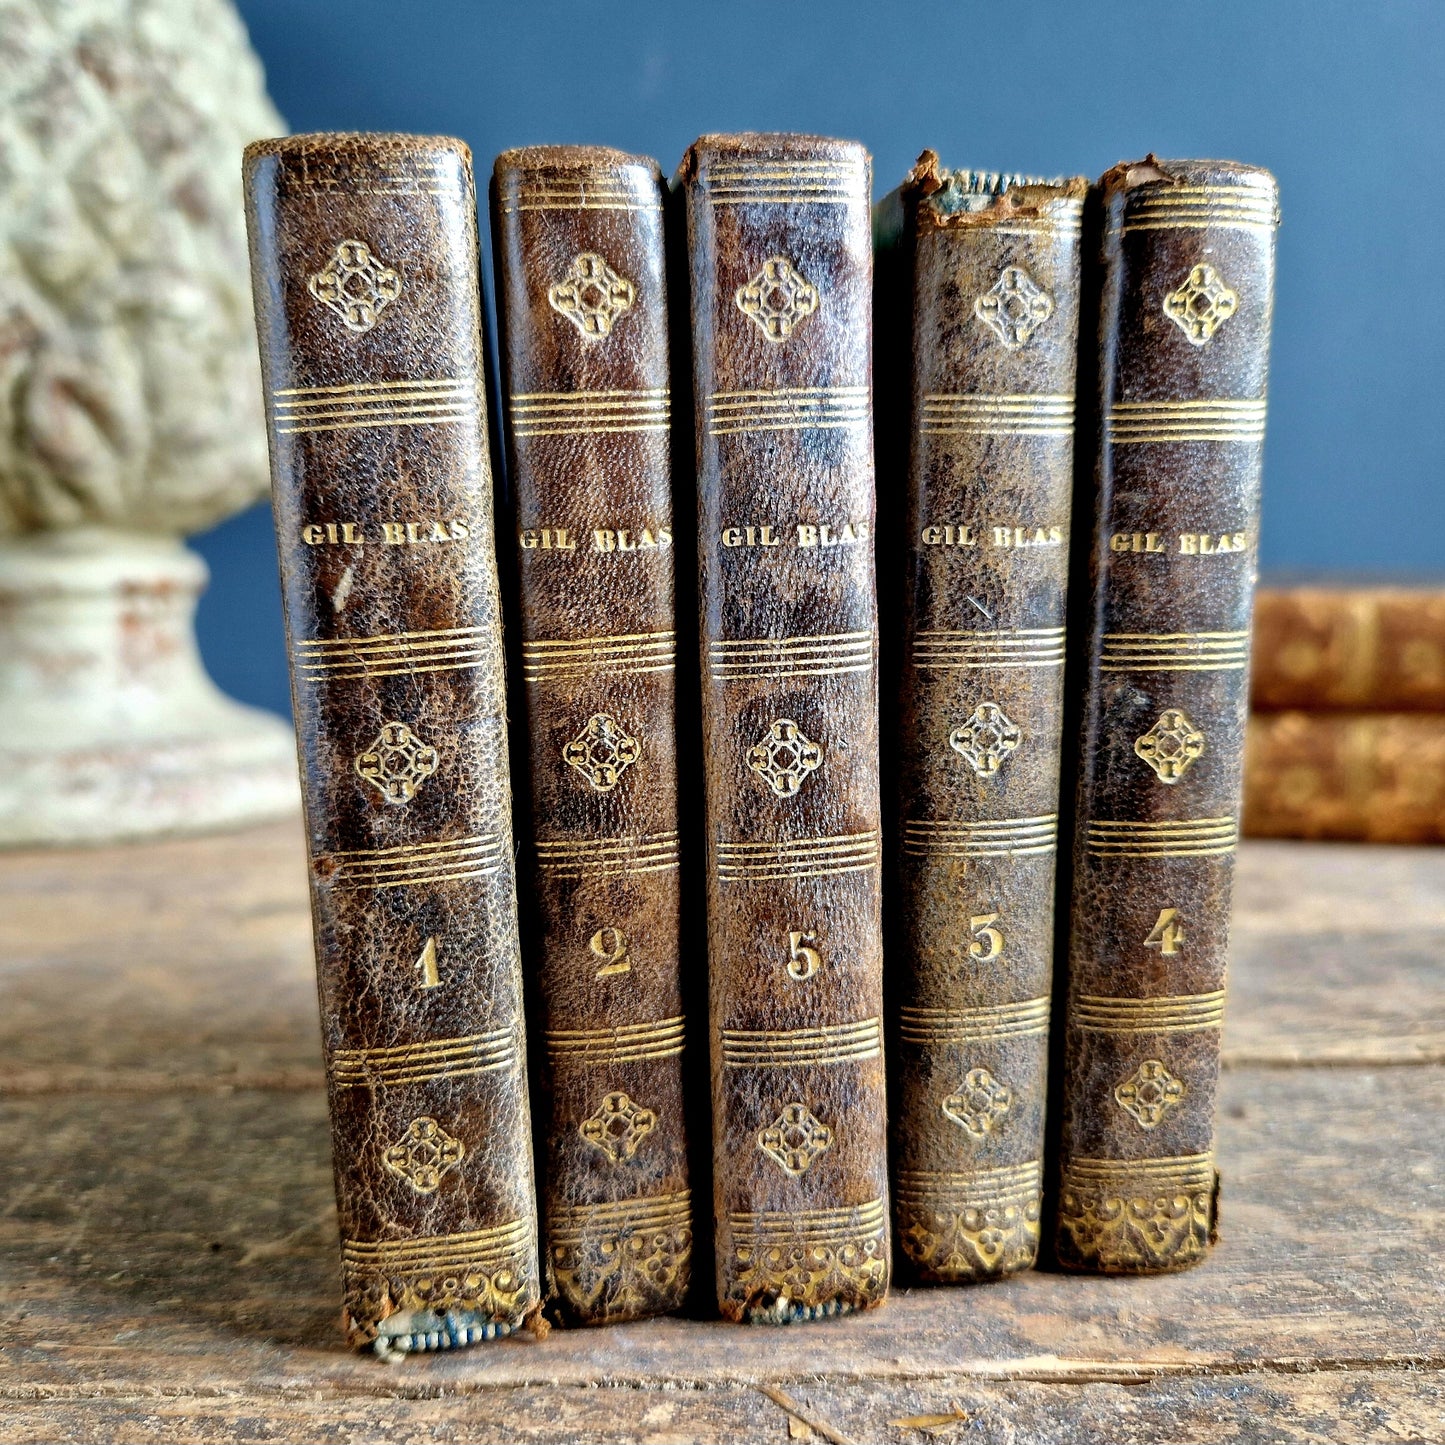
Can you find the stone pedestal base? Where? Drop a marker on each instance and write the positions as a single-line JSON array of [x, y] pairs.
[[111, 727]]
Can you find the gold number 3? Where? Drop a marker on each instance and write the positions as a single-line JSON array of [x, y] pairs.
[[987, 940]]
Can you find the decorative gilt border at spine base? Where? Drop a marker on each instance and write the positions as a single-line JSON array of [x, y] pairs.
[[829, 1263], [956, 1228], [607, 1263], [1118, 1218]]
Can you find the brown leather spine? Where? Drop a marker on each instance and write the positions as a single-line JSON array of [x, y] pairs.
[[1380, 648], [1187, 287], [995, 307], [583, 309], [781, 264], [364, 261], [1378, 777]]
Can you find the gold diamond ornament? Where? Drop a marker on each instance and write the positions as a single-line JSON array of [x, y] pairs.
[[979, 1104], [397, 762], [423, 1155], [778, 298], [795, 1139], [356, 284], [1172, 745], [617, 1126], [1149, 1093], [784, 756], [1014, 307], [986, 739], [1201, 305], [592, 296], [602, 751]]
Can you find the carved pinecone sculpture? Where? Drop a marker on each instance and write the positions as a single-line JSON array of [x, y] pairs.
[[129, 385]]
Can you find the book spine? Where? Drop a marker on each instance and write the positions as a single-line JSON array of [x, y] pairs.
[[583, 308], [781, 262], [1381, 649], [1186, 298], [995, 310], [1376, 777], [364, 261]]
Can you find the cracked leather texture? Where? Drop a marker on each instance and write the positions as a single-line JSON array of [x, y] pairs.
[[990, 447], [373, 376], [1184, 321], [780, 264], [582, 302]]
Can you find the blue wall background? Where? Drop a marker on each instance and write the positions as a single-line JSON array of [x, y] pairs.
[[1344, 101]]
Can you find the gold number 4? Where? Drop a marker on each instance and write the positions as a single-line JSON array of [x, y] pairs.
[[610, 945], [987, 940], [1168, 932], [803, 962]]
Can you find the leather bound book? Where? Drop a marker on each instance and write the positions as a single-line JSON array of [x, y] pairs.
[[1186, 287], [994, 262], [1376, 777], [778, 230], [364, 260], [583, 310], [1377, 648]]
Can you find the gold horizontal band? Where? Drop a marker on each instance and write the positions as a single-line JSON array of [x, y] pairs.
[[797, 858], [790, 1048], [1174, 651], [1172, 838], [628, 1043], [967, 1025], [442, 1253], [415, 1063], [986, 838], [765, 657], [819, 1224], [939, 650], [970, 1189], [572, 1223], [621, 656], [305, 397], [391, 654], [1186, 1173], [479, 856], [1178, 1014], [608, 857]]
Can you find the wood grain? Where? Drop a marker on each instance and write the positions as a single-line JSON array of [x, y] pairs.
[[168, 1259]]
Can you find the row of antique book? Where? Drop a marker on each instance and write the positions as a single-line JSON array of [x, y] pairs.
[[722, 762], [1347, 736]]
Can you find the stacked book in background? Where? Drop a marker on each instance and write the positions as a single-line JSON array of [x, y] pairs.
[[1347, 738], [1041, 419]]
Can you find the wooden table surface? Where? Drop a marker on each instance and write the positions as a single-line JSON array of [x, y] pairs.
[[168, 1255]]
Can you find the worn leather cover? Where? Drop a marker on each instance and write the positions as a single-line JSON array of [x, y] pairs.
[[1377, 777], [1184, 319], [1379, 648], [780, 272], [994, 262], [582, 303], [364, 260]]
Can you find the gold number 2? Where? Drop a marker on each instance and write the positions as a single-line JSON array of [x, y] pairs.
[[1168, 932], [803, 962], [987, 940], [610, 945]]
